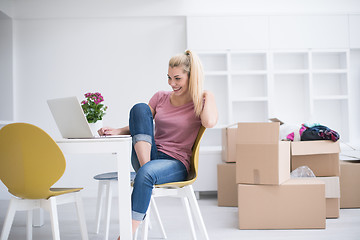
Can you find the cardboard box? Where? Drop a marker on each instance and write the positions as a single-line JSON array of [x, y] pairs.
[[227, 187], [332, 195], [350, 184], [322, 157], [229, 143], [332, 207], [296, 204], [261, 157]]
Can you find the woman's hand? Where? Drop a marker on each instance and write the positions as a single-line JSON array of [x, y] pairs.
[[113, 131]]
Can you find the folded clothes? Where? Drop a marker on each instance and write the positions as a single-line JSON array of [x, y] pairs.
[[310, 132], [319, 132]]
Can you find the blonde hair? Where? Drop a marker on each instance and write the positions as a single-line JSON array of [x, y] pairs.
[[191, 64]]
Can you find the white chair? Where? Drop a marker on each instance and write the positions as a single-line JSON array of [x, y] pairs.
[[30, 163], [106, 182], [185, 191]]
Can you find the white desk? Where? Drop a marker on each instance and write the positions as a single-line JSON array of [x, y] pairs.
[[121, 148]]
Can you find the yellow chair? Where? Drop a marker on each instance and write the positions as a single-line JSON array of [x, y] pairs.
[[30, 163], [185, 191]]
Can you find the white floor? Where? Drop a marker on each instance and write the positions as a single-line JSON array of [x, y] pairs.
[[221, 223]]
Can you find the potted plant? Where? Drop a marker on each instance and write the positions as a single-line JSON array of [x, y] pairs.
[[94, 110]]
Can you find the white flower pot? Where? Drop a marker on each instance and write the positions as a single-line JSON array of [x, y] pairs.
[[95, 127]]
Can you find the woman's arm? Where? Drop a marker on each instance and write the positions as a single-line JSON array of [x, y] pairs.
[[209, 114], [114, 131]]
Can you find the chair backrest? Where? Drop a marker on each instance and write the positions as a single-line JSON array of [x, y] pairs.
[[194, 163], [30, 161]]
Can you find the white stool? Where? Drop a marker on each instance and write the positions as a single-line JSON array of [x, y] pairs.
[[106, 180]]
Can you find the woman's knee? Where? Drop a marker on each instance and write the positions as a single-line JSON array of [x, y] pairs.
[[139, 109], [145, 175]]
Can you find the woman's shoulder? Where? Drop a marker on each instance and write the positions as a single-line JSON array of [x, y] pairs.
[[161, 95]]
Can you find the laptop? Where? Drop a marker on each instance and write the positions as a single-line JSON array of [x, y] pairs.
[[71, 120]]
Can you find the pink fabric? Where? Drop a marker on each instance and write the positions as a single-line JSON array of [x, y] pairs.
[[291, 136], [302, 129], [176, 127]]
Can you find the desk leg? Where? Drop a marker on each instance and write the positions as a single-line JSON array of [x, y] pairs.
[[124, 191]]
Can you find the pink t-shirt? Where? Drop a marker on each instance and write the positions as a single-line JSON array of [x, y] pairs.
[[176, 127]]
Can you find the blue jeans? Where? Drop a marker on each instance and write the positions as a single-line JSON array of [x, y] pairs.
[[160, 169]]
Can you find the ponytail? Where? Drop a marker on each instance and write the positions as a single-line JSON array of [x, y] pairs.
[[192, 65]]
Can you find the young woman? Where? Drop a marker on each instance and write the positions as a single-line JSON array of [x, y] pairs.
[[165, 156]]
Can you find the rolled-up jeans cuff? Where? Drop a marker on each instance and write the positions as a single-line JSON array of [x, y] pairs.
[[141, 137], [137, 216]]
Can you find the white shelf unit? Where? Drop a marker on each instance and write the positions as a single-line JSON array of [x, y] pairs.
[[296, 86]]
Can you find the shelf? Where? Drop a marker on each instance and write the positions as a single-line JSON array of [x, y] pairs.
[[214, 62], [333, 114], [330, 84], [250, 111], [298, 85], [217, 84], [248, 61], [251, 99], [255, 72], [215, 73], [291, 61], [330, 71], [329, 60], [339, 97], [249, 86], [291, 72], [210, 149]]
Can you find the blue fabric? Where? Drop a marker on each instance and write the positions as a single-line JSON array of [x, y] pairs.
[[141, 127], [112, 176], [160, 169], [319, 132]]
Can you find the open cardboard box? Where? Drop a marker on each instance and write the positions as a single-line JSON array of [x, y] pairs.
[[321, 156]]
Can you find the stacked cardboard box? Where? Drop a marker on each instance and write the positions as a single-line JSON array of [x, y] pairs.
[[349, 184], [227, 187], [229, 143], [322, 157], [267, 197], [226, 172]]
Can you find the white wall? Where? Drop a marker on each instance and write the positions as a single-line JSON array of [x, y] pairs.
[[116, 8], [6, 68], [124, 58]]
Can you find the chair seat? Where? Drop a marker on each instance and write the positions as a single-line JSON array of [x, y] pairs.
[[112, 176], [107, 176], [61, 191]]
